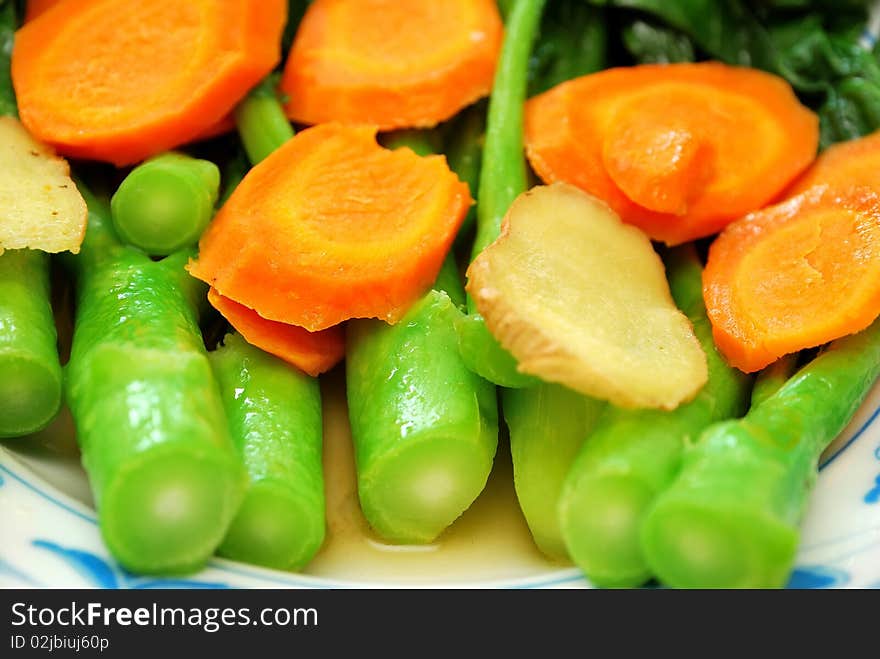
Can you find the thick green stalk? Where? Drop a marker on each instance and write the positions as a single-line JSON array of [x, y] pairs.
[[633, 455], [30, 373], [164, 204], [424, 426], [148, 415], [548, 424], [502, 179], [731, 517], [274, 415], [262, 124]]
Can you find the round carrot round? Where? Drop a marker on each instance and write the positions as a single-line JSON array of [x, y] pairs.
[[312, 352], [393, 63], [844, 165], [121, 80], [795, 275], [678, 150], [332, 226]]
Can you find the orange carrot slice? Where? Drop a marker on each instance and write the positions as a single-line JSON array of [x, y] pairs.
[[121, 80], [36, 7], [844, 165], [393, 63], [795, 275], [678, 150], [332, 226], [312, 352]]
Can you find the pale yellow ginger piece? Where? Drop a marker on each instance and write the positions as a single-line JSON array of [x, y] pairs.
[[580, 298], [40, 207]]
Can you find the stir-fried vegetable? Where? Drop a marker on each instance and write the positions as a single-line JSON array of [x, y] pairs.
[[164, 204], [148, 415], [133, 101], [581, 299], [633, 455], [274, 414], [378, 62], [730, 518]]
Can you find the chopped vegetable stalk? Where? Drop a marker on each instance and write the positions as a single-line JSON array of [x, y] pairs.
[[424, 426], [731, 517], [581, 299], [40, 207], [548, 424], [148, 415], [274, 414], [502, 179], [30, 374], [262, 124], [633, 455], [164, 204]]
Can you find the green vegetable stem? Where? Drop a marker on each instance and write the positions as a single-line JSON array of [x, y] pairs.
[[731, 517], [30, 373], [548, 424], [148, 414], [261, 122], [633, 455], [164, 204], [424, 427], [502, 179], [274, 414]]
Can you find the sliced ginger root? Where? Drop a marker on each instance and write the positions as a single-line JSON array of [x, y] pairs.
[[40, 207], [581, 299]]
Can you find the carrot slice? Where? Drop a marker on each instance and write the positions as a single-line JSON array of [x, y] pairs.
[[795, 275], [36, 7], [331, 226], [312, 352], [844, 165], [121, 80], [678, 150], [393, 63]]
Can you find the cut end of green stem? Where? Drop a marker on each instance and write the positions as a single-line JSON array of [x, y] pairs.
[[693, 546], [414, 494], [601, 519], [274, 528], [30, 395], [166, 203], [167, 512]]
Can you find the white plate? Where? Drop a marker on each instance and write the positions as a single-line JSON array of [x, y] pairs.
[[49, 536]]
